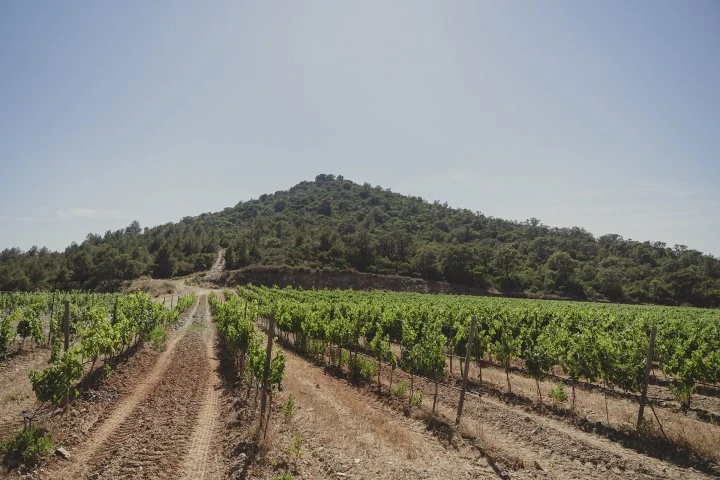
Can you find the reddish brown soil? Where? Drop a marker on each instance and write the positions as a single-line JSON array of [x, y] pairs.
[[163, 427]]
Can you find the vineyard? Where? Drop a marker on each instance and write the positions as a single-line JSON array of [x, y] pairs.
[[603, 346], [92, 327], [591, 342], [291, 383]]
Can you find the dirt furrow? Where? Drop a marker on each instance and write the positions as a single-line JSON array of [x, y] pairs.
[[200, 463], [344, 434], [165, 420], [97, 444], [560, 449]]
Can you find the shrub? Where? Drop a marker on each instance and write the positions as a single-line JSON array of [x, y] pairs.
[[26, 448], [106, 371], [158, 338], [288, 407], [312, 347], [557, 393], [400, 388], [362, 369], [683, 394], [294, 450], [416, 399], [55, 383]]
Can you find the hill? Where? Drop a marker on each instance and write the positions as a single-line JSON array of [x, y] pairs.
[[333, 223]]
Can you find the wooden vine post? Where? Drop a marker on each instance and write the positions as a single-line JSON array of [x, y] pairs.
[[648, 365], [66, 324], [266, 369], [468, 351], [52, 311]]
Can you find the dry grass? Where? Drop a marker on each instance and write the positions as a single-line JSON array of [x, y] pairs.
[[153, 287], [698, 436]]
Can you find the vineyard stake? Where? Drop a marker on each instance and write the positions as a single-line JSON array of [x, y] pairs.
[[52, 310], [648, 365], [266, 370], [468, 350], [66, 324]]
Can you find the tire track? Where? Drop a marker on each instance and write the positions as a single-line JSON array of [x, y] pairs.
[[198, 464], [100, 444]]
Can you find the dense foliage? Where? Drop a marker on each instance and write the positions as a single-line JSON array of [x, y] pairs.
[[236, 318], [591, 342], [26, 448], [101, 326], [335, 223]]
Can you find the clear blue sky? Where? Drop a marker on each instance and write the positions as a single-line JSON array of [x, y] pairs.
[[604, 115]]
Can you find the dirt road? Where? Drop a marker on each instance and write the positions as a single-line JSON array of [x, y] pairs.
[[164, 428]]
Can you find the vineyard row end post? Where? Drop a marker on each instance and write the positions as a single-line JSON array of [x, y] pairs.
[[266, 369], [468, 351], [648, 365]]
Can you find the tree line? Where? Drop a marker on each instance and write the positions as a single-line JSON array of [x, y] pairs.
[[334, 223]]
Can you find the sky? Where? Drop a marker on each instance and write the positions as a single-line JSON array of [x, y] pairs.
[[603, 115]]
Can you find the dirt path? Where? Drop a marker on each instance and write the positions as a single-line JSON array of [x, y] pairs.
[[219, 264], [347, 434], [202, 460], [164, 427]]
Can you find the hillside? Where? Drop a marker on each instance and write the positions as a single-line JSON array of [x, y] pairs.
[[333, 223]]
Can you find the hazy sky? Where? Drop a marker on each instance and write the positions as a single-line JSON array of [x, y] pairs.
[[604, 115]]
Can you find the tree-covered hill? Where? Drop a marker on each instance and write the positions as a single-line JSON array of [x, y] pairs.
[[335, 223]]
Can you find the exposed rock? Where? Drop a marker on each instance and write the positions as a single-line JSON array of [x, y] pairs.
[[62, 453]]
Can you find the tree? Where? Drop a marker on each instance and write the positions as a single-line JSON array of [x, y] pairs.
[[165, 262], [560, 268], [426, 262], [133, 228], [458, 263]]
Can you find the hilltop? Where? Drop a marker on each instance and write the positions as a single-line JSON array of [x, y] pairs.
[[335, 224]]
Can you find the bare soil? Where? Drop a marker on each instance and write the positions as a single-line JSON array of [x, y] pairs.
[[184, 413], [16, 392], [347, 433], [163, 427], [620, 413], [525, 443]]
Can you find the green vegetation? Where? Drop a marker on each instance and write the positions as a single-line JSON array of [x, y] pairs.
[[158, 338], [235, 318], [26, 448], [590, 341], [333, 223], [400, 389], [7, 335], [288, 408], [557, 393], [183, 303], [416, 399], [295, 450], [101, 325], [361, 369]]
